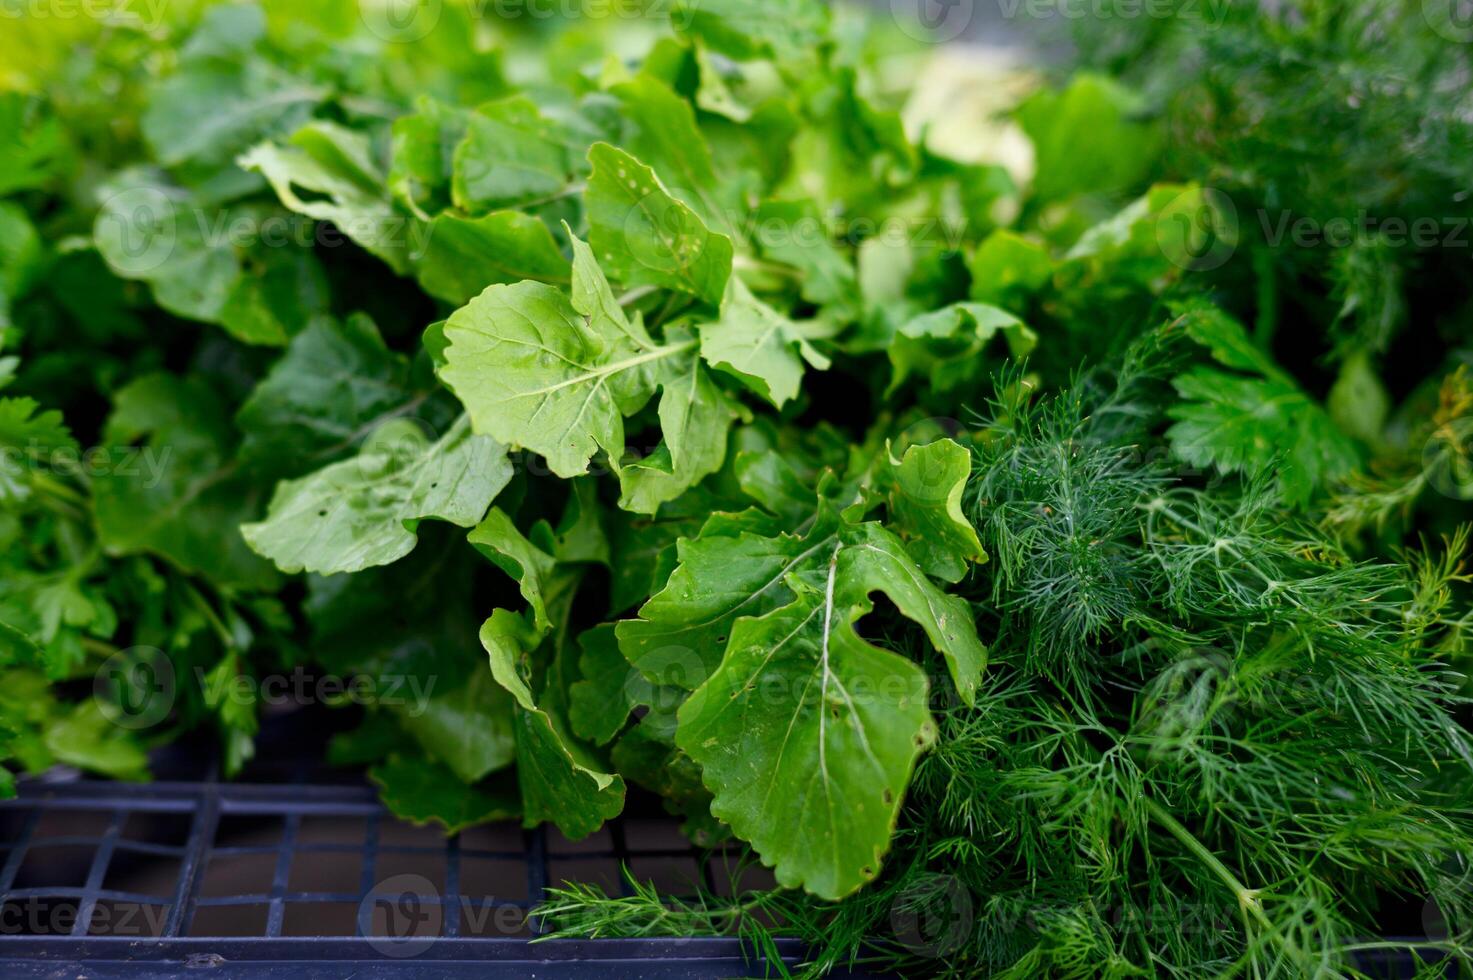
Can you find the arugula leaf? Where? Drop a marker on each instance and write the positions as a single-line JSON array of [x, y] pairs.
[[794, 233], [924, 506], [600, 703], [1152, 241], [513, 155], [421, 791], [209, 262], [642, 546], [224, 97], [807, 735], [753, 28], [1007, 268], [347, 187], [361, 512], [462, 256], [695, 415], [334, 384], [530, 567], [946, 344], [743, 566], [421, 158], [468, 729], [755, 343], [180, 494], [559, 779], [422, 642], [1087, 138], [645, 236], [660, 131], [558, 376]]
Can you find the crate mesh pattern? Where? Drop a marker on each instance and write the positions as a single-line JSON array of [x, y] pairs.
[[220, 859]]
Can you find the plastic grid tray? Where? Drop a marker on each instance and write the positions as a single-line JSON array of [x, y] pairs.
[[398, 929], [299, 871]]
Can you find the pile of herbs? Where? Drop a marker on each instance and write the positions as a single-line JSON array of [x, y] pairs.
[[931, 477]]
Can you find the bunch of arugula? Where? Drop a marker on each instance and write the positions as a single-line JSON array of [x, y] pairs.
[[644, 401]]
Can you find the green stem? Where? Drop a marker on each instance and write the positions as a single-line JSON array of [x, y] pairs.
[[1248, 900], [635, 295], [103, 649], [47, 484], [211, 616], [750, 264], [61, 499]]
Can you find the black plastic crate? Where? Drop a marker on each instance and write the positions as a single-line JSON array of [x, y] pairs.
[[296, 870], [411, 912]]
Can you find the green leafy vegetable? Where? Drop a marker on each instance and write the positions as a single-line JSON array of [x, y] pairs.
[[1026, 510]]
